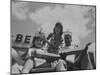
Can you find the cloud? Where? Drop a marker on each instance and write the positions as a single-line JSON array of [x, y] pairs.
[[74, 18], [20, 10]]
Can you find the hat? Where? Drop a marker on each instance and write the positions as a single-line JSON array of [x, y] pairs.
[[39, 34]]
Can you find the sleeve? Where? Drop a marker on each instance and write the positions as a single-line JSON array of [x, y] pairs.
[[30, 51]]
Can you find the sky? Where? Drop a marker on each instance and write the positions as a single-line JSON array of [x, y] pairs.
[[29, 17]]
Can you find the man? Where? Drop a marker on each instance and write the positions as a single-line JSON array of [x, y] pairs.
[[17, 62]]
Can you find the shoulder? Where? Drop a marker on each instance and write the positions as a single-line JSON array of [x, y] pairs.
[[32, 49]]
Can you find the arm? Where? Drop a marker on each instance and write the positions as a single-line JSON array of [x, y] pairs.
[[49, 36], [28, 66], [16, 57]]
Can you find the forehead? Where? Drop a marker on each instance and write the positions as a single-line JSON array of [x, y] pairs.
[[68, 36], [38, 39], [58, 26]]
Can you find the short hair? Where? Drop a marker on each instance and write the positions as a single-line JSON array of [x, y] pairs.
[[33, 42]]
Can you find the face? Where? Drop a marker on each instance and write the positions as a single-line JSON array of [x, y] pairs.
[[38, 43], [57, 29], [68, 40]]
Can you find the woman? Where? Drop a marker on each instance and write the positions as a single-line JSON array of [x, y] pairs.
[[55, 41], [55, 38], [32, 61]]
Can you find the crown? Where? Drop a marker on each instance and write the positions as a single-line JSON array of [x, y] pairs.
[[67, 32]]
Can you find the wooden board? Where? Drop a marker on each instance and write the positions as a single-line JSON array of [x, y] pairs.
[[47, 56]]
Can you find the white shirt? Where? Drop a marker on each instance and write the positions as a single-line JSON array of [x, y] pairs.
[[38, 61]]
